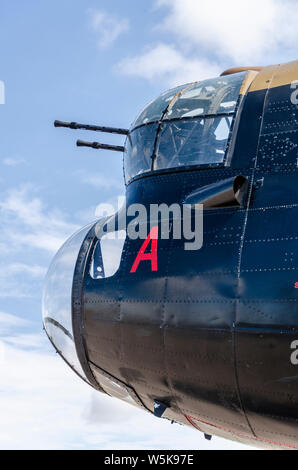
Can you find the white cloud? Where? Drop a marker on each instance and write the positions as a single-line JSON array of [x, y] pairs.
[[246, 33], [207, 36], [20, 280], [26, 270], [9, 322], [27, 222], [13, 161], [107, 28], [167, 63], [99, 180], [30, 234], [24, 340]]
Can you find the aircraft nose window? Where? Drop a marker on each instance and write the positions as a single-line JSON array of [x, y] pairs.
[[107, 255], [189, 125], [57, 299]]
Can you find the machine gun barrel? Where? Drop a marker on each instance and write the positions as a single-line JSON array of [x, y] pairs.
[[88, 127], [97, 145]]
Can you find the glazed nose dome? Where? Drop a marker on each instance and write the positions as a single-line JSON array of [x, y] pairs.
[[57, 299]]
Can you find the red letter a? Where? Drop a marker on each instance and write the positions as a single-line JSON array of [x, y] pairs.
[[152, 256]]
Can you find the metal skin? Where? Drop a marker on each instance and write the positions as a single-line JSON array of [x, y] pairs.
[[209, 333]]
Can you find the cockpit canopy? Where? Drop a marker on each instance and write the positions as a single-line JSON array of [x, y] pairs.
[[188, 125]]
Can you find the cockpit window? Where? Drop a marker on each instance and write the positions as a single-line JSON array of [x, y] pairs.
[[215, 96], [154, 110], [189, 125], [139, 150], [178, 142]]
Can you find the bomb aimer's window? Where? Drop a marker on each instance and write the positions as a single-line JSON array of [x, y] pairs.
[[57, 299]]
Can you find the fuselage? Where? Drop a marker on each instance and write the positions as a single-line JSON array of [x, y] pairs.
[[211, 332]]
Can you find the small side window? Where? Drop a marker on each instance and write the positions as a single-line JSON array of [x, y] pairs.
[[107, 255], [112, 388]]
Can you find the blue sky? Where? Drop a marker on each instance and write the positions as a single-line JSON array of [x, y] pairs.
[[93, 62]]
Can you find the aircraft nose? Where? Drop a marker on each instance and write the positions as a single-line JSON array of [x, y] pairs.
[[57, 300]]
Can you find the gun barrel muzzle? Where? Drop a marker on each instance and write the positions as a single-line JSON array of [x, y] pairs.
[[97, 145]]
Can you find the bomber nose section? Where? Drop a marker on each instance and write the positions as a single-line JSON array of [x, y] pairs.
[[57, 300]]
